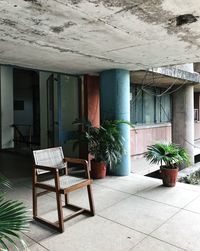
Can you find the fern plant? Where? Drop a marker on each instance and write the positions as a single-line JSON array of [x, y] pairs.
[[13, 219]]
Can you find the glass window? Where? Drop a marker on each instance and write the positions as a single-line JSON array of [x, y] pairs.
[[139, 106], [133, 105], [165, 108], [147, 107]]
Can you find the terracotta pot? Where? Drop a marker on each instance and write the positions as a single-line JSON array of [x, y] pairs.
[[98, 170], [169, 176]]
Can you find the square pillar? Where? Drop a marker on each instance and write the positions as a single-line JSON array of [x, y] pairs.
[[183, 119]]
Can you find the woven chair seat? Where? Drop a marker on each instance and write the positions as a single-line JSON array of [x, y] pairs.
[[65, 181]]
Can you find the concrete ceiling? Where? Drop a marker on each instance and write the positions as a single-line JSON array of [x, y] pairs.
[[83, 36]]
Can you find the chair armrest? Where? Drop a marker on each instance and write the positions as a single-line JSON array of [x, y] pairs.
[[46, 168], [82, 162], [76, 161]]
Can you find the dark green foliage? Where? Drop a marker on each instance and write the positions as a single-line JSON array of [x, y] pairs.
[[105, 143], [4, 184], [169, 155], [13, 218]]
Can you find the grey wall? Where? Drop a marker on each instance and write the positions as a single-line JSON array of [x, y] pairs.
[[6, 86], [43, 76]]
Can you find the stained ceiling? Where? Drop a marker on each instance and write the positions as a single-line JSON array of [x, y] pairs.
[[84, 36]]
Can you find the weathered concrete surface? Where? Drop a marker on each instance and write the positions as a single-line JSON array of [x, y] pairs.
[[177, 73], [94, 35], [183, 119]]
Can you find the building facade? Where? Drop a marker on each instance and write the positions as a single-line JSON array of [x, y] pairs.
[[38, 108]]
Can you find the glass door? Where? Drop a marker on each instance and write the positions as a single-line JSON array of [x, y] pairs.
[[62, 110]]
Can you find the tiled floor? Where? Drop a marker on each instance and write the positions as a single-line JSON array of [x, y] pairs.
[[142, 166], [134, 213]]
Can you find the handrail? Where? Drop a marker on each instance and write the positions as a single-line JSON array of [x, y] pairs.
[[20, 133], [23, 138]]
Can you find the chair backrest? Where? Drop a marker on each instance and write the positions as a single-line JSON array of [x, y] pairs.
[[52, 157]]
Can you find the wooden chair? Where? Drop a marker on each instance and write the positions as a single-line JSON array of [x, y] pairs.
[[52, 161]]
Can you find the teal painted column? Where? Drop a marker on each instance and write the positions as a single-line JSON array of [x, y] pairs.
[[115, 104]]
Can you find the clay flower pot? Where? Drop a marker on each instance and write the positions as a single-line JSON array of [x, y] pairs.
[[98, 170], [169, 176]]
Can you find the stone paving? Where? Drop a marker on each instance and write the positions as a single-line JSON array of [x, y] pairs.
[[133, 213]]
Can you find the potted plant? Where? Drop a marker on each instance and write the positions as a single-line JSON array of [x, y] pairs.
[[105, 144], [170, 157]]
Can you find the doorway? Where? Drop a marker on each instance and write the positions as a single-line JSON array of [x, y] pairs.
[[26, 103]]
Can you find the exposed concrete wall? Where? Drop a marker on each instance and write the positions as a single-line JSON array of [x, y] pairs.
[[7, 132], [148, 135], [84, 36], [183, 119], [197, 130], [185, 67], [197, 67], [43, 76]]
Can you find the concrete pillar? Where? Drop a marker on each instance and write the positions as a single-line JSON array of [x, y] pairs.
[[114, 105], [6, 103], [183, 119], [43, 76]]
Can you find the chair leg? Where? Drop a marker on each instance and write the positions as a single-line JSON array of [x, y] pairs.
[[34, 202], [34, 192], [91, 202], [60, 212], [66, 199]]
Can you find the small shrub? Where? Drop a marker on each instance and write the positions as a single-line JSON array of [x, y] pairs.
[[193, 178]]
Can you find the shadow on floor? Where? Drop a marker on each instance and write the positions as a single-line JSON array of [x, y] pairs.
[[15, 165], [155, 174]]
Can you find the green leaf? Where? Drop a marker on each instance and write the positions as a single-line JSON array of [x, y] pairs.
[[105, 143], [169, 154], [4, 183], [13, 219]]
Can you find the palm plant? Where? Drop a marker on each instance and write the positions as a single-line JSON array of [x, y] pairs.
[[105, 142], [13, 218], [170, 155]]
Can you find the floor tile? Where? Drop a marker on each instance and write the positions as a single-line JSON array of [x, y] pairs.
[[103, 197], [140, 214], [46, 203], [131, 185], [37, 247], [95, 234], [194, 205], [152, 244], [182, 230], [142, 166], [21, 193], [121, 217], [188, 186], [174, 196], [38, 232], [28, 242]]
